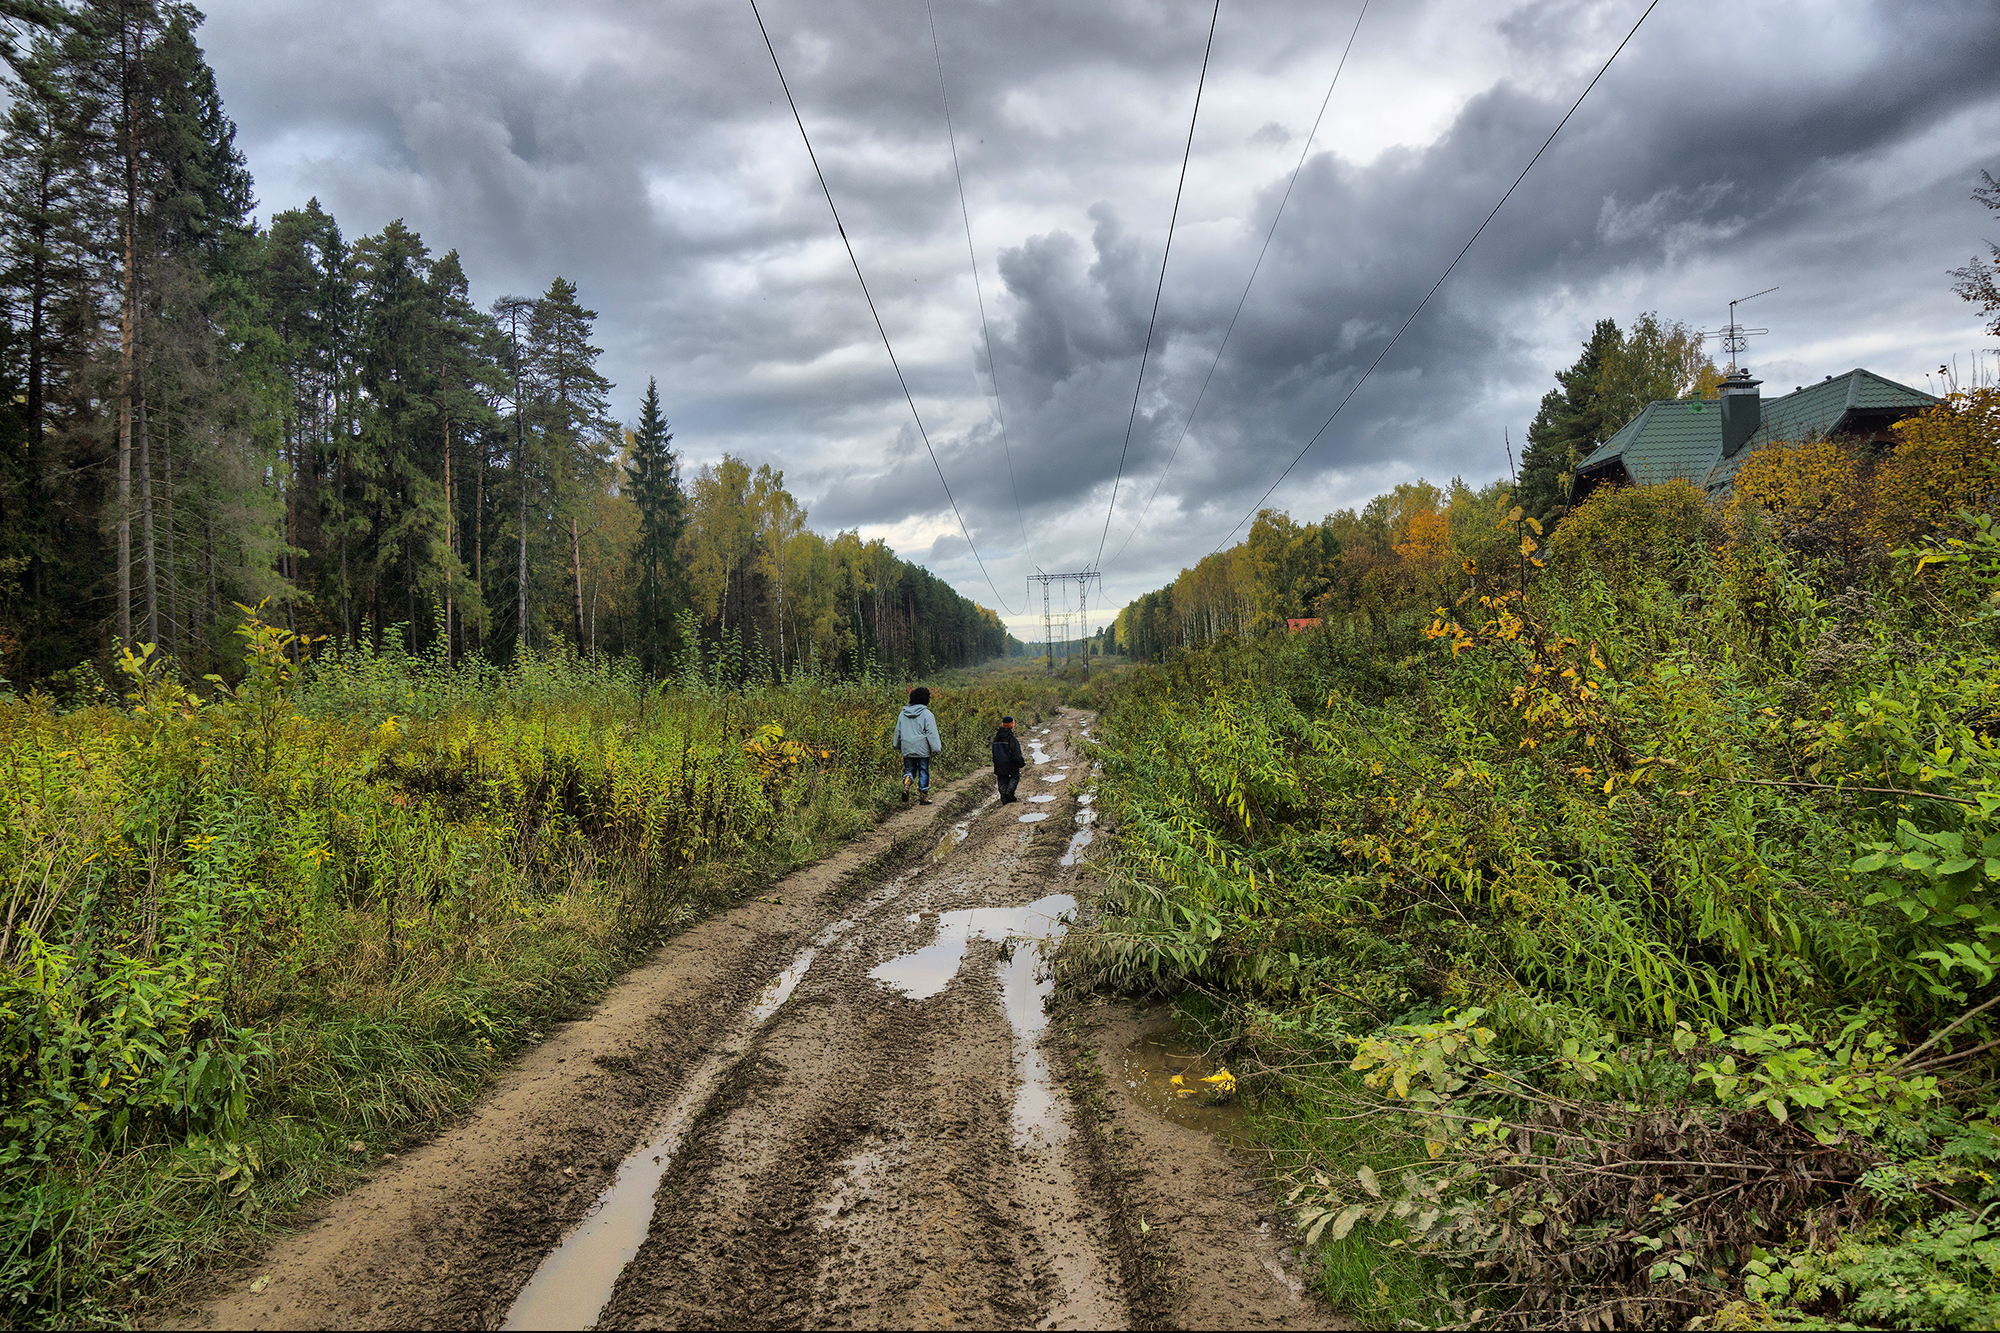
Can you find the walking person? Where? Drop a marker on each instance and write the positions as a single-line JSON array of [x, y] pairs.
[[1008, 761], [917, 740]]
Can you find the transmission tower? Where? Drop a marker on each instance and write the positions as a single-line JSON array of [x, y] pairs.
[[1082, 578]]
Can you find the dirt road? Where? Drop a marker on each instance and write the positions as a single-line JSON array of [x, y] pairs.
[[835, 1106]]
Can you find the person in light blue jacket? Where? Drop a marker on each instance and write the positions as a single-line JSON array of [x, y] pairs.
[[917, 740]]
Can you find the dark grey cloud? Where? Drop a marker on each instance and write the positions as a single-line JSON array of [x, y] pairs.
[[644, 151]]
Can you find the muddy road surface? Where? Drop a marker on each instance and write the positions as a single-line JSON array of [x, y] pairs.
[[840, 1105]]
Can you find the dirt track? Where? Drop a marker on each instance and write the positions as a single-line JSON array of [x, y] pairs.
[[834, 1106]]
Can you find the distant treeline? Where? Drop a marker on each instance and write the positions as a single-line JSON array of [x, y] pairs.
[[199, 411], [1421, 546]]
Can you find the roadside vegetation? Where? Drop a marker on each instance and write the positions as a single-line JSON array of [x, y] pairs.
[[1605, 929], [259, 931]]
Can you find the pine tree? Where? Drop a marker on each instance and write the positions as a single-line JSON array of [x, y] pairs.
[[572, 399]]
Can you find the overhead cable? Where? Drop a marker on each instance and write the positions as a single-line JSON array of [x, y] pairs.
[[1439, 283], [1186, 153], [886, 346], [1254, 268], [992, 365]]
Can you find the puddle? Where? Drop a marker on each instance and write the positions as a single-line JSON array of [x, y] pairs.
[[925, 972], [1088, 798], [1085, 817], [1150, 1064], [570, 1289], [950, 840], [1055, 777], [773, 996], [1035, 818], [1045, 796], [1078, 840], [1024, 986]]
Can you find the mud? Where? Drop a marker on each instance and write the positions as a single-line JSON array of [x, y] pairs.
[[842, 1106]]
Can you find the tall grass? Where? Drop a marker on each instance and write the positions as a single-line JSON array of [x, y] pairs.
[[249, 925], [1719, 809]]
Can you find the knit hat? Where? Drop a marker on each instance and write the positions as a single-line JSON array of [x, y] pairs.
[[1006, 721]]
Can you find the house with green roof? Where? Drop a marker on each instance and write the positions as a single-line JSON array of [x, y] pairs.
[[1704, 440]]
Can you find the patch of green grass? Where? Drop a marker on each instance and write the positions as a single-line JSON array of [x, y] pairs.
[[1302, 1124]]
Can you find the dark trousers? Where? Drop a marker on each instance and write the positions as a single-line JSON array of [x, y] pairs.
[[1008, 782]]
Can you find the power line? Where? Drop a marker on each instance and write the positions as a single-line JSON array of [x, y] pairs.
[[1254, 269], [1440, 282], [1171, 220], [907, 396], [992, 365]]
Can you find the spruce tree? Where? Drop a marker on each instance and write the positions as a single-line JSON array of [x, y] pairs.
[[653, 473], [1567, 427]]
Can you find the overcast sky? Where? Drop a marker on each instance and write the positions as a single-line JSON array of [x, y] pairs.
[[643, 149]]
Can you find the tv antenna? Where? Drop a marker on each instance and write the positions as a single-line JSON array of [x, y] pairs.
[[1735, 338]]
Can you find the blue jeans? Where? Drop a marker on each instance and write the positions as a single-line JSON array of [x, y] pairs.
[[918, 767]]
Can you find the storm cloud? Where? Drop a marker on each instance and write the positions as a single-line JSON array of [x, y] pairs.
[[644, 150]]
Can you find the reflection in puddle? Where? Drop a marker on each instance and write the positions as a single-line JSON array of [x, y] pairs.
[[575, 1280], [1054, 777], [1150, 1065], [571, 1287], [1079, 840], [773, 996], [1045, 796], [1035, 818], [950, 840], [1087, 798], [1024, 986], [930, 969]]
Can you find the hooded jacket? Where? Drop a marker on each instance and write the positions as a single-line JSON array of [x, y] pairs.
[[1007, 756], [917, 733]]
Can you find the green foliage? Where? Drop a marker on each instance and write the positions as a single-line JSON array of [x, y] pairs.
[[250, 924], [1667, 867]]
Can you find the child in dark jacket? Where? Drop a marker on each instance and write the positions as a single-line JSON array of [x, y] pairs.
[[1008, 761]]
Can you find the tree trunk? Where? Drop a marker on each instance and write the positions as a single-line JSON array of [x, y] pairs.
[[37, 334], [409, 595], [521, 574], [479, 529], [450, 539], [127, 332], [576, 573], [173, 624], [144, 447]]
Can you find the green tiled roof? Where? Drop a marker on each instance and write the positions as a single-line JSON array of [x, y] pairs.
[[1817, 411], [1674, 438], [1683, 437]]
